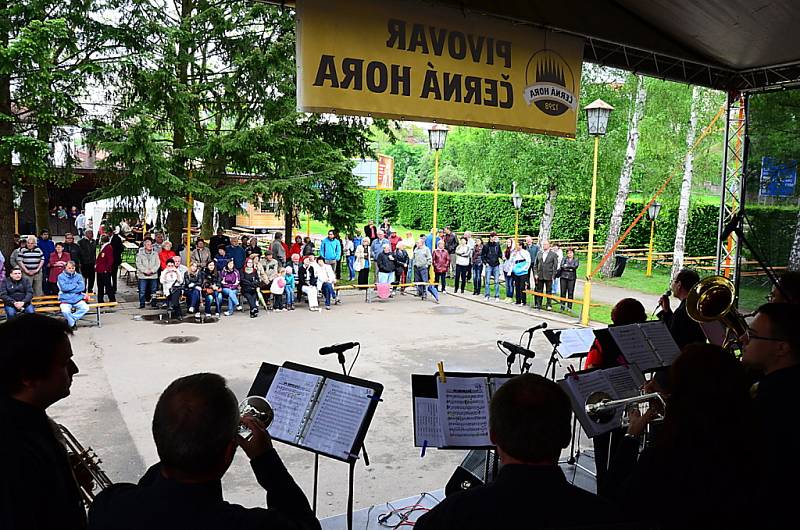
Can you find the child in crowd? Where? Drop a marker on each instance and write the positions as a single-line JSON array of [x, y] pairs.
[[277, 287], [288, 289]]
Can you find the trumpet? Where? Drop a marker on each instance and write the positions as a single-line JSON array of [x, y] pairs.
[[601, 408], [257, 407], [90, 477]]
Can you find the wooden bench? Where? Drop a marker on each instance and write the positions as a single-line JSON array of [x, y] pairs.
[[128, 273], [50, 304]]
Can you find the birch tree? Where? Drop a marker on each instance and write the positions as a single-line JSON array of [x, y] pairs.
[[626, 172], [686, 186]]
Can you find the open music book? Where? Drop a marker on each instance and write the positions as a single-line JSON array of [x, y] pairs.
[[454, 413], [318, 413], [648, 345], [570, 343], [619, 382]]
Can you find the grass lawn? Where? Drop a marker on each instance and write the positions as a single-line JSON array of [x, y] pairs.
[[321, 228]]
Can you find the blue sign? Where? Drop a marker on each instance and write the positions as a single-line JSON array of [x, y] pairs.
[[778, 179]]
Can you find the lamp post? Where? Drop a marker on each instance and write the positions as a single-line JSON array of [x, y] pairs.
[[652, 213], [516, 200], [597, 113], [437, 135]]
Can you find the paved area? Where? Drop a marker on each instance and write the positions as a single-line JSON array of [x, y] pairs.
[[125, 365]]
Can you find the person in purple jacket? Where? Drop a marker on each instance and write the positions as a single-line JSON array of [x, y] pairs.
[[230, 287]]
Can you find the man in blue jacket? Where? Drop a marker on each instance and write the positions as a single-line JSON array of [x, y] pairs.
[[331, 250], [236, 253], [72, 295]]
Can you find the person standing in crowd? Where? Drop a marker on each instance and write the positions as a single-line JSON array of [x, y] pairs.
[[39, 490], [192, 286], [394, 239], [441, 264], [220, 239], [165, 255], [103, 268], [252, 248], [326, 279], [370, 230], [147, 264], [422, 264], [490, 256], [520, 269], [72, 295], [533, 250], [330, 250], [568, 275], [361, 263], [277, 249], [212, 289], [428, 238], [267, 271], [276, 289], [529, 424], [385, 264], [201, 254], [477, 266], [681, 326], [80, 223], [72, 248], [236, 253], [450, 244], [308, 283], [14, 258], [47, 247], [471, 246], [297, 246], [171, 286], [195, 427], [544, 272], [376, 247], [463, 258], [288, 289], [158, 240], [350, 252], [117, 245], [16, 293], [508, 269], [559, 258], [31, 260], [230, 278], [386, 226], [58, 260], [308, 247], [250, 284], [400, 264]]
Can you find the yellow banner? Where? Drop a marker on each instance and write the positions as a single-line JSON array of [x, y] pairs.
[[414, 61]]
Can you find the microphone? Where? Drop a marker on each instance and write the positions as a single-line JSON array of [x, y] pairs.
[[543, 325], [515, 349], [338, 348]]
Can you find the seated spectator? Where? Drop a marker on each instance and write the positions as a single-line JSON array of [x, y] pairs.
[[260, 274], [212, 288], [221, 259], [193, 287], [56, 263], [288, 290], [296, 266], [195, 427], [171, 285], [529, 423], [16, 293], [788, 289], [165, 254], [38, 490], [326, 279], [200, 255], [72, 295], [708, 408], [308, 283], [250, 286], [181, 268], [147, 264], [230, 279]]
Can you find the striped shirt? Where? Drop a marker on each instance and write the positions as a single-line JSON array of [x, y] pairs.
[[30, 257]]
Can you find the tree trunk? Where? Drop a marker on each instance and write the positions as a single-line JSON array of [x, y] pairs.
[[7, 242], [288, 221], [549, 212], [794, 256], [175, 228], [624, 186], [41, 205], [686, 187], [207, 227]]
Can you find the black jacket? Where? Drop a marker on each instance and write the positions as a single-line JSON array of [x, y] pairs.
[[522, 497], [161, 503], [88, 251], [118, 248], [11, 291], [37, 489], [568, 268], [491, 254], [450, 243], [385, 262], [682, 328], [209, 281], [307, 276], [401, 258], [74, 253], [249, 282]]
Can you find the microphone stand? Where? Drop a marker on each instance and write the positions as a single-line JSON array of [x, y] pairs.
[[551, 364]]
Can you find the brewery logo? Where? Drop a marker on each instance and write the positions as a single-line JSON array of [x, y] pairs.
[[550, 83]]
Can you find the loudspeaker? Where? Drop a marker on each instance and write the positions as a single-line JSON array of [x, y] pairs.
[[469, 473]]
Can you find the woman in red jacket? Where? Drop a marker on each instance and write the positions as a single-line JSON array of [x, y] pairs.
[[58, 260], [441, 262], [104, 267], [296, 248], [166, 254]]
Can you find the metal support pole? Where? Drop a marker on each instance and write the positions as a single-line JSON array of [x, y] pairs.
[[650, 249], [308, 224], [189, 230], [587, 286], [431, 278], [516, 230]]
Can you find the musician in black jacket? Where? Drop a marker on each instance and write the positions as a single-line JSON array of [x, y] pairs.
[[37, 487], [682, 328], [529, 422], [195, 430]]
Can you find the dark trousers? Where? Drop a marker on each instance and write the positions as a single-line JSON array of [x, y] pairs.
[[440, 278], [115, 275], [477, 277], [104, 287], [363, 277], [543, 286], [174, 301], [567, 291], [252, 299], [519, 288], [87, 271], [461, 277], [277, 301]]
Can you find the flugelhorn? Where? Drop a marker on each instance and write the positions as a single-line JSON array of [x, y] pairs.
[[712, 299], [257, 407], [85, 466], [601, 408]]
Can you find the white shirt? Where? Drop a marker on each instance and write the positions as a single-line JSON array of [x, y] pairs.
[[80, 221]]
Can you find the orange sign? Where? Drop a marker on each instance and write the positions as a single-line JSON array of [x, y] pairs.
[[385, 173]]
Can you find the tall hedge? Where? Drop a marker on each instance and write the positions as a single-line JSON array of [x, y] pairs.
[[774, 226]]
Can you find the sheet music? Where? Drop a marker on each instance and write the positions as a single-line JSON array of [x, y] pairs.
[[464, 406], [580, 388], [291, 396], [634, 346], [337, 418], [626, 380], [575, 341], [427, 426], [661, 340]]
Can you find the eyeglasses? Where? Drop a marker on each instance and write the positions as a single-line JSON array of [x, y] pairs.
[[750, 335]]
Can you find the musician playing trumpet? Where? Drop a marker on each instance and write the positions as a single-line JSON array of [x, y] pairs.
[[37, 487]]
